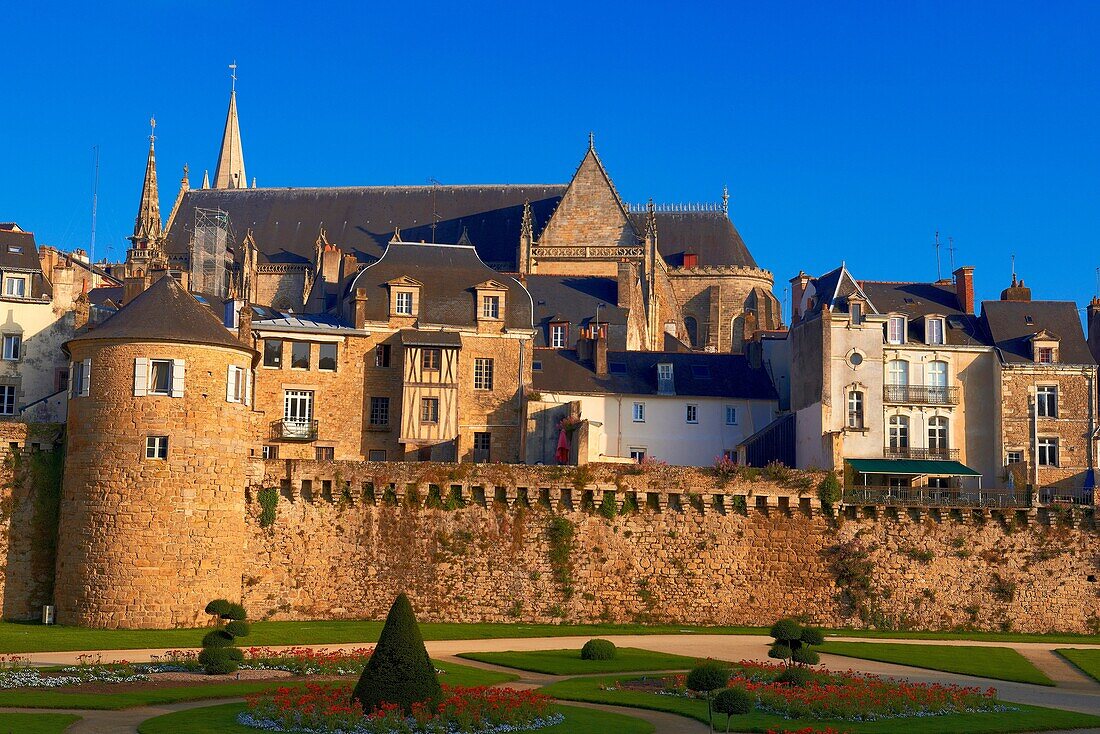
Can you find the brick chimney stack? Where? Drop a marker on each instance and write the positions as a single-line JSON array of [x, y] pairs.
[[599, 351], [798, 287], [359, 308], [1093, 319], [964, 287], [244, 325]]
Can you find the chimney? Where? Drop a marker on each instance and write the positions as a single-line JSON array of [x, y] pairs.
[[599, 352], [81, 308], [63, 286], [349, 265], [1017, 291], [1093, 317], [585, 351], [627, 277], [244, 325], [964, 287], [330, 264], [359, 308], [798, 287], [134, 286], [691, 260]]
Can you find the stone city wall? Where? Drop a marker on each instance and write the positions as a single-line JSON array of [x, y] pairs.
[[489, 543]]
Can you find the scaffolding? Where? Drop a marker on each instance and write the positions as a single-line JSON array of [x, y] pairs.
[[210, 240]]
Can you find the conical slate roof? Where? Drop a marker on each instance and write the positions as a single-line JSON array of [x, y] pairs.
[[165, 312]]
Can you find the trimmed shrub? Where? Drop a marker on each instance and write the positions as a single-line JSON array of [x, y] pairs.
[[399, 671], [706, 678], [792, 643], [795, 676], [734, 702], [598, 650], [219, 656]]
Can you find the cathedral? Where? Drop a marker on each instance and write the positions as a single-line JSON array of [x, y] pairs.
[[655, 277]]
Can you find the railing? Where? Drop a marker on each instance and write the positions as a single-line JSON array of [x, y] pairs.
[[286, 430], [921, 394], [1065, 496], [936, 497], [890, 452]]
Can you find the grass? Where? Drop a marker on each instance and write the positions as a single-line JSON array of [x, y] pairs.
[[1023, 718], [1088, 661], [35, 723], [34, 637], [223, 720], [456, 675], [1000, 663], [568, 662]]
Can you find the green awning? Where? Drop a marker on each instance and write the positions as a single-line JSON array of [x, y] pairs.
[[913, 466]]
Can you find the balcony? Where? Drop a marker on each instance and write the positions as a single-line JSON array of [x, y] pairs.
[[937, 497], [921, 394], [893, 452], [286, 430]]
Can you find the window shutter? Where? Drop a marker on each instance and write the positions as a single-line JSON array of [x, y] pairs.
[[230, 373], [141, 377], [86, 380], [72, 377], [177, 378], [248, 387]]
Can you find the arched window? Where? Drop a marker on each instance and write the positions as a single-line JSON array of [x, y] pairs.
[[692, 328], [937, 436], [897, 372], [937, 382], [899, 432]]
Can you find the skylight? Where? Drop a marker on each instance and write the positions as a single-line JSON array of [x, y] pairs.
[[536, 366], [1028, 320], [700, 371], [15, 249]]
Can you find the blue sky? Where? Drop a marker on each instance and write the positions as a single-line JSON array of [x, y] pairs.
[[845, 131]]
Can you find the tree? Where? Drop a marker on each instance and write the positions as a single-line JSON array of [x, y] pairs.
[[399, 671], [219, 654], [706, 678], [793, 641], [734, 702]]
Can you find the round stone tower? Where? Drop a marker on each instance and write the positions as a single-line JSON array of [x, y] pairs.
[[152, 510]]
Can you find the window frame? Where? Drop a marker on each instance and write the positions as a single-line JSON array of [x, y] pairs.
[[269, 452], [151, 388], [483, 374], [1044, 447], [490, 306], [403, 303], [429, 410], [10, 280], [294, 356], [380, 408], [16, 353], [731, 411], [855, 311], [1046, 401], [273, 349], [382, 355], [856, 415], [897, 432], [302, 397], [903, 331], [321, 348], [638, 454], [928, 331], [434, 364], [895, 368], [1018, 453], [1041, 352], [938, 430], [637, 412], [559, 335], [156, 448], [236, 389], [5, 392], [691, 413]]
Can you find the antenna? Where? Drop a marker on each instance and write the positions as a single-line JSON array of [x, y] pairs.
[[951, 252], [435, 212], [937, 254], [233, 75], [95, 203], [1014, 268], [1096, 293]]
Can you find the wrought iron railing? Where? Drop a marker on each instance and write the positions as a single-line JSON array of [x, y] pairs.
[[895, 452], [936, 497], [1065, 496], [921, 394], [290, 430]]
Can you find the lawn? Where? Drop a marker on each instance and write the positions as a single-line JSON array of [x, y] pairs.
[[568, 662], [35, 723], [33, 637], [1001, 663], [223, 720], [39, 698], [1023, 718], [1087, 660]]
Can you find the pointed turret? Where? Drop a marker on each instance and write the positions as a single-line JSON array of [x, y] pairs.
[[147, 226], [230, 171]]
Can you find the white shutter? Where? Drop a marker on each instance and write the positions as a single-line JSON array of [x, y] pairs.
[[86, 381], [141, 377], [230, 378], [248, 387], [177, 378]]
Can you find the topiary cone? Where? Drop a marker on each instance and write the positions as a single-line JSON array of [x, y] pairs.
[[399, 671]]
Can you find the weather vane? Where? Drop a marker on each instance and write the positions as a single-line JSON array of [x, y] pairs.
[[152, 129]]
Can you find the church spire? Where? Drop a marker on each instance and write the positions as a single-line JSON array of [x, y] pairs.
[[230, 171], [147, 226]]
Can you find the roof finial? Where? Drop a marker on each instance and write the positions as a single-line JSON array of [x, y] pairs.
[[206, 179], [152, 129], [233, 76], [591, 140], [726, 199]]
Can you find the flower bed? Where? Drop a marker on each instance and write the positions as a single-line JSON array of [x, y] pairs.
[[831, 696], [328, 709], [16, 671]]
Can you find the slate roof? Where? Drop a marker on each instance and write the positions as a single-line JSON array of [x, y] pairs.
[[447, 274], [362, 219], [419, 338], [1007, 322], [917, 300], [101, 295], [269, 318], [709, 234], [694, 374], [19, 252], [573, 299], [165, 312]]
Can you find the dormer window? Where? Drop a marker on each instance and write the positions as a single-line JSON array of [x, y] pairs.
[[665, 384], [404, 296], [1044, 346], [490, 300], [1045, 355], [895, 330], [855, 308], [934, 330], [559, 334], [15, 286]]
